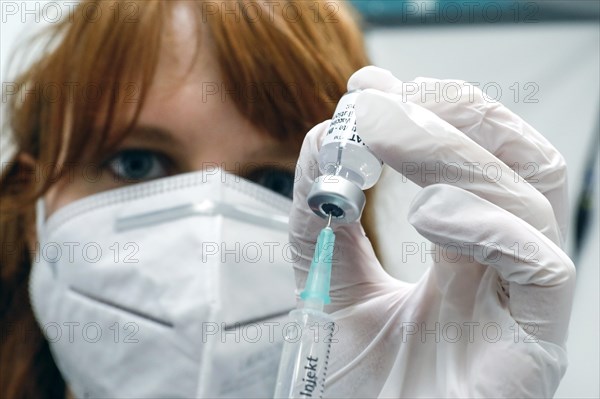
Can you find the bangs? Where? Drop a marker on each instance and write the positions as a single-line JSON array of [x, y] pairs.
[[113, 61]]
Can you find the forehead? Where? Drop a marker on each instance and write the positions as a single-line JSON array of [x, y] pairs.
[[186, 66], [185, 52]]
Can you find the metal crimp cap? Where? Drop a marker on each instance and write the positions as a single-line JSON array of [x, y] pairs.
[[337, 196]]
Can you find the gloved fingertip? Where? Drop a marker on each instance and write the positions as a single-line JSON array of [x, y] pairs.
[[373, 115], [416, 212], [372, 77], [378, 115], [371, 103]]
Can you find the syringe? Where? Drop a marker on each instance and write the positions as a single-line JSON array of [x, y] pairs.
[[305, 356]]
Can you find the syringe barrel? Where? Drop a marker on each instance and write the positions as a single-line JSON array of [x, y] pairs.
[[305, 357]]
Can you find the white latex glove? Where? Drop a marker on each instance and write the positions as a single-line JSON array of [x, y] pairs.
[[490, 317]]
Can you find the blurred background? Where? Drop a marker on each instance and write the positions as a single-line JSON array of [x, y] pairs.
[[539, 58]]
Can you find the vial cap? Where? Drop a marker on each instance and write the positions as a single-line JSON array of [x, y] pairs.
[[337, 196]]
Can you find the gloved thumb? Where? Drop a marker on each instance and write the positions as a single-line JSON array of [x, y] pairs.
[[372, 77]]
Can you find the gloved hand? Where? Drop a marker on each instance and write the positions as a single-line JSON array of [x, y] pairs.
[[490, 316]]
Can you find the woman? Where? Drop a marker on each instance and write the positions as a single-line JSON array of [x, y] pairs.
[[233, 85], [488, 319]]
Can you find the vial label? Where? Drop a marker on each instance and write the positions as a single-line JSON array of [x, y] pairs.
[[342, 128]]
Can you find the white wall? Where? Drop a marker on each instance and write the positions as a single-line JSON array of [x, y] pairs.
[[19, 22], [562, 60]]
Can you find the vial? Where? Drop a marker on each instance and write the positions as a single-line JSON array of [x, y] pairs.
[[347, 165]]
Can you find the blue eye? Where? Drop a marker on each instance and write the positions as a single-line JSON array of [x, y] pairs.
[[137, 165], [278, 180]]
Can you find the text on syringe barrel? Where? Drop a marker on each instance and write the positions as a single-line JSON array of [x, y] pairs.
[[305, 357]]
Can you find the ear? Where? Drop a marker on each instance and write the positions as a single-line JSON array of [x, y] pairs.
[[26, 159]]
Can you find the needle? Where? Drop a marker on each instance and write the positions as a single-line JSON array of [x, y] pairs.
[[329, 221]]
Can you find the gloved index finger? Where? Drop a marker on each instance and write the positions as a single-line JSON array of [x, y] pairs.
[[428, 150], [488, 123], [501, 132]]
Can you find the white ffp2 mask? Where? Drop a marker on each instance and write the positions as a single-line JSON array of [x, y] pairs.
[[172, 288]]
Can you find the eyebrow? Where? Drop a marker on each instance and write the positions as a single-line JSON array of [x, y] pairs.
[[154, 135]]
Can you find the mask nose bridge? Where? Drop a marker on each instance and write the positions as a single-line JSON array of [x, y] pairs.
[[133, 220], [203, 208]]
